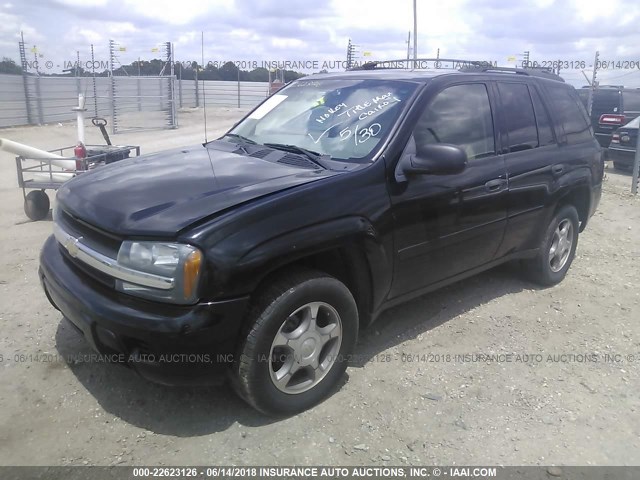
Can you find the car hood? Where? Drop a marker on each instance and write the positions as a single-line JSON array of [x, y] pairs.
[[162, 193]]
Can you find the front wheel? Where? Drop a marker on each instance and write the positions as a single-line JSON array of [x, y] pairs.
[[557, 249], [302, 329]]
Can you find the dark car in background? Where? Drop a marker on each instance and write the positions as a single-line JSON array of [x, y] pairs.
[[613, 106], [622, 149]]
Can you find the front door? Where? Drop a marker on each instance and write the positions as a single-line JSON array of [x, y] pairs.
[[449, 224]]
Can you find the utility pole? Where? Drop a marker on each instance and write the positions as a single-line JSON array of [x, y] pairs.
[[351, 51], [35, 59], [409, 46], [415, 32], [593, 83], [78, 83]]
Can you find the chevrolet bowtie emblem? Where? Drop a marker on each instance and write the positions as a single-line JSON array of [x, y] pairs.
[[71, 244]]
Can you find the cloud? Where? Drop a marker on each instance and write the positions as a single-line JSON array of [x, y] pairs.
[[293, 30]]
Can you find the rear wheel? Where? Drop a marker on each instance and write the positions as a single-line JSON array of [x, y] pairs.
[[36, 205], [303, 327], [557, 248]]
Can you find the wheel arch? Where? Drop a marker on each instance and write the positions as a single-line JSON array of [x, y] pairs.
[[348, 254], [580, 198]]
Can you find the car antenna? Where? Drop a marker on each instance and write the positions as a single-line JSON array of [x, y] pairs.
[[204, 94]]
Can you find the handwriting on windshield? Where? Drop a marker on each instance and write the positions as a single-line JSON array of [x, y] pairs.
[[360, 135], [370, 107], [325, 116], [362, 111]]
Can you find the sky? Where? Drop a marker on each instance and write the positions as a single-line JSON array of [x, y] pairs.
[[301, 30]]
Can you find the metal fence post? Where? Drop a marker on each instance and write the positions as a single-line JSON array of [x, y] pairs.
[[636, 167], [95, 87], [39, 100], [112, 90], [25, 79]]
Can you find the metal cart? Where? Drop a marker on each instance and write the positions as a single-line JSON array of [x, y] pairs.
[[40, 174]]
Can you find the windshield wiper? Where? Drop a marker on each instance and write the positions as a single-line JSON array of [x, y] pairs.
[[315, 157], [240, 137]]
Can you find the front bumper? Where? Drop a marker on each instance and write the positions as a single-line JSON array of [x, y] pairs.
[[172, 345]]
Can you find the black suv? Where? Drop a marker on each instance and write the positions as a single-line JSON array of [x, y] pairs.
[[612, 107], [260, 255]]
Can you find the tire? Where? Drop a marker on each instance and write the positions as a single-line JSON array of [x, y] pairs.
[[554, 258], [36, 205], [281, 343]]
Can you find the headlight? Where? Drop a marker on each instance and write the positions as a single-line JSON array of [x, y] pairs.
[[177, 266]]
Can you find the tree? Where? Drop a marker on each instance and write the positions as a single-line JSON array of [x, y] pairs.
[[7, 65], [229, 71]]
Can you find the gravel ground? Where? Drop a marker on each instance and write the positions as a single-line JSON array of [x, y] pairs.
[[560, 385]]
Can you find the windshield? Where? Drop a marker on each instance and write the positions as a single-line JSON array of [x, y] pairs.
[[345, 119]]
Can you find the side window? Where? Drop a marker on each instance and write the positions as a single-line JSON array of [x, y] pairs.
[[570, 113], [631, 100], [606, 100], [460, 115], [521, 121], [545, 132]]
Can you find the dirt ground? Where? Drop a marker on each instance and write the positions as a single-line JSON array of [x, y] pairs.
[[560, 386]]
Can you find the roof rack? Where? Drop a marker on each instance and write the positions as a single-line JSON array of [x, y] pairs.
[[420, 64], [532, 72], [462, 65]]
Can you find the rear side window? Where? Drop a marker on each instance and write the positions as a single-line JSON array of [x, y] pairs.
[[545, 131], [570, 114], [606, 101], [521, 121], [460, 115], [631, 100]]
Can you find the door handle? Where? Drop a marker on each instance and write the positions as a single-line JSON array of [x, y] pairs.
[[494, 185], [557, 169]]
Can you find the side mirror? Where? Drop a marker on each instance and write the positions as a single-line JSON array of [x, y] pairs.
[[435, 159]]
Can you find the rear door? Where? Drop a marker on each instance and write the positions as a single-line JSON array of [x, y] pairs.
[[533, 160]]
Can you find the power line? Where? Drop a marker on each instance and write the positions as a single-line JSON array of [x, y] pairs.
[[623, 75]]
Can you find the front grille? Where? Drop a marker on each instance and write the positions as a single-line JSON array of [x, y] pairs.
[[84, 269], [104, 242]]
